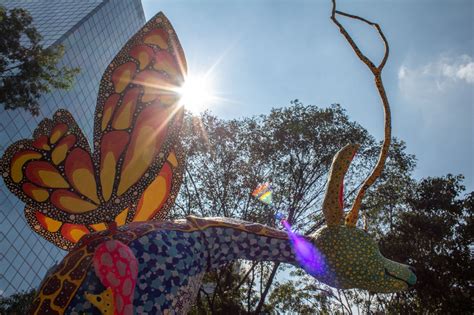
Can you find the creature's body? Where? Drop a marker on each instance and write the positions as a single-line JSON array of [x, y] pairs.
[[173, 257]]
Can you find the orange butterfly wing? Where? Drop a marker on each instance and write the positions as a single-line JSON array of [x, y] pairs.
[[135, 171], [159, 196], [153, 204], [138, 115], [53, 172]]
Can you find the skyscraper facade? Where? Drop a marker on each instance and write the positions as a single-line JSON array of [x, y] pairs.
[[92, 32]]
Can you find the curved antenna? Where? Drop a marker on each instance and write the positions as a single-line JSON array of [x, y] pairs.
[[352, 216]]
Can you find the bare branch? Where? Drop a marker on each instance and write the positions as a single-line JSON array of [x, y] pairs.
[[267, 288], [249, 295], [194, 186], [244, 278]]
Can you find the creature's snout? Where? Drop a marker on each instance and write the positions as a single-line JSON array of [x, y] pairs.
[[398, 276], [412, 279]]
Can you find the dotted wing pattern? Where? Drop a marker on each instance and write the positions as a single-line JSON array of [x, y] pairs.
[[135, 170]]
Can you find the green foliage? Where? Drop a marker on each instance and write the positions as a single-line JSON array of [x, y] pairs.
[[221, 292], [17, 304], [27, 69], [300, 299], [388, 197], [435, 234]]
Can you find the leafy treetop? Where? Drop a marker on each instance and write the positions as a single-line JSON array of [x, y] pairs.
[[27, 69]]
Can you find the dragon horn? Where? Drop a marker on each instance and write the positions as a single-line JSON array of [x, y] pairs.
[[333, 204]]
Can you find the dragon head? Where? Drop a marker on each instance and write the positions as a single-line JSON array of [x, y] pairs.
[[351, 259]]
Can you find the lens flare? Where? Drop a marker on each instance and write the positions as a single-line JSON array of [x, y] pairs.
[[197, 93], [307, 254]]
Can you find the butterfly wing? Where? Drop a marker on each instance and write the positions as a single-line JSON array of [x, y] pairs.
[[63, 235], [153, 204], [135, 171], [53, 172], [159, 196], [138, 115]]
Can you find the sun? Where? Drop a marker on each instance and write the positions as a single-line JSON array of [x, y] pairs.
[[197, 93]]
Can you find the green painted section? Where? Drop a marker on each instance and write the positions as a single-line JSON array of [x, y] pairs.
[[352, 260]]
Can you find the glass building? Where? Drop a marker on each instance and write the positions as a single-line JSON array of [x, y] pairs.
[[92, 32]]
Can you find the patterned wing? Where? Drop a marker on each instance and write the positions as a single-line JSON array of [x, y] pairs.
[[135, 170], [153, 204], [138, 115], [53, 172], [159, 196]]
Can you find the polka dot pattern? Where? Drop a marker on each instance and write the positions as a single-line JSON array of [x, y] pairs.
[[353, 260], [333, 208]]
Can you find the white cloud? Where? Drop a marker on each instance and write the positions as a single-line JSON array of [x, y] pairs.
[[462, 68], [440, 91], [436, 77], [466, 72], [402, 72], [435, 110]]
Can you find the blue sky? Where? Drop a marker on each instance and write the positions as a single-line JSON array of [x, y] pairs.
[[266, 53]]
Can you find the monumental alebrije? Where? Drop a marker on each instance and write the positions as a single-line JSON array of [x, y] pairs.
[[104, 205]]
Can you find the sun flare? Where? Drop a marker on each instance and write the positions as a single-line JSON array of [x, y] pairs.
[[196, 93]]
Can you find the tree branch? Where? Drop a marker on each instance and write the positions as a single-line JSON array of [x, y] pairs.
[[195, 188], [267, 288], [242, 281]]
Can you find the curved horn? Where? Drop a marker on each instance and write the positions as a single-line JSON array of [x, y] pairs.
[[333, 205]]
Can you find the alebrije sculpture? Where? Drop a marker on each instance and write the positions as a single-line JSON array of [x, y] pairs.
[[103, 206]]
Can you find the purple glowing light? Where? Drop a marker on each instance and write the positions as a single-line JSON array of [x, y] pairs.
[[306, 253], [279, 216]]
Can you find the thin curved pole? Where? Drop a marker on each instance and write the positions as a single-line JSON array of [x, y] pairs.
[[352, 216]]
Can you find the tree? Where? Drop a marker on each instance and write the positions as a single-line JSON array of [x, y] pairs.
[[435, 234], [27, 69], [293, 148], [18, 303], [307, 297]]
